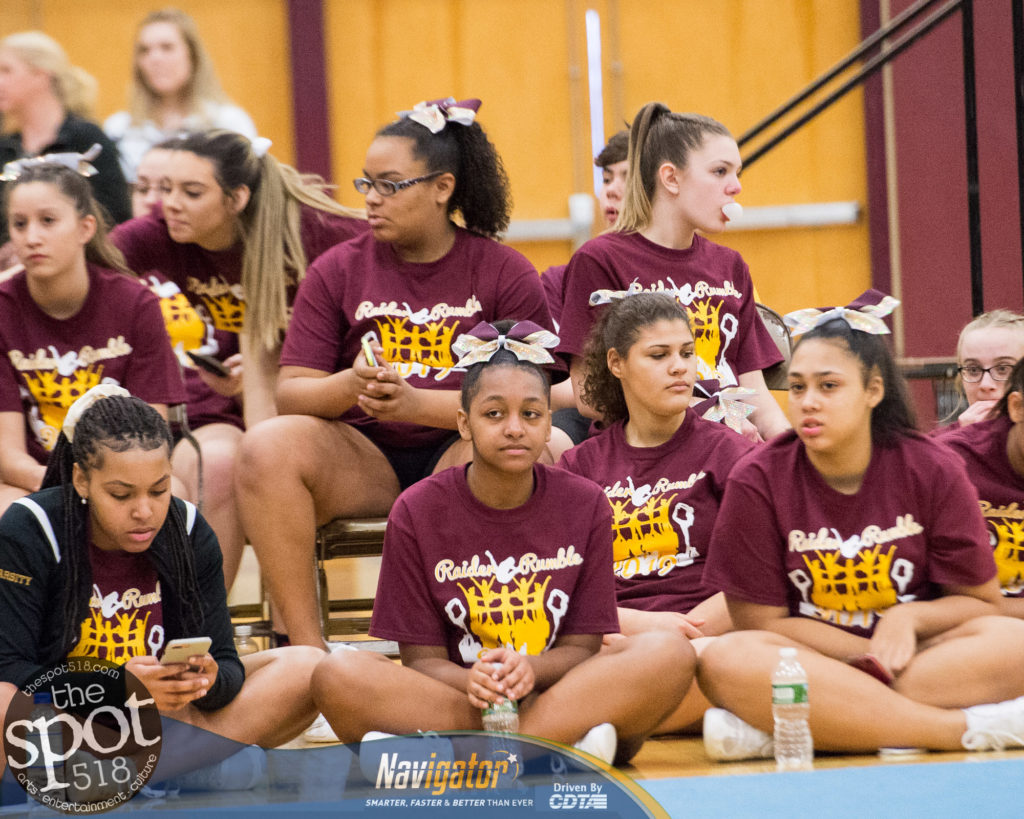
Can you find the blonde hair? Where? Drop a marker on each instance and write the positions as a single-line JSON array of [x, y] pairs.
[[73, 86], [271, 224], [202, 86], [993, 318], [657, 136]]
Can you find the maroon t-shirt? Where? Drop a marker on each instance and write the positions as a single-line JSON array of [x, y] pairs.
[[1001, 493], [552, 279], [117, 337], [460, 574], [125, 608], [212, 280], [712, 282], [188, 331], [664, 501], [784, 537], [414, 311]]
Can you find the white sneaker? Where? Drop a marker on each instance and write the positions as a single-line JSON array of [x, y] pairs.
[[600, 741], [995, 726], [240, 772], [728, 738], [320, 731]]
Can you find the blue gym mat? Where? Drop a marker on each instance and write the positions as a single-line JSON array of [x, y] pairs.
[[982, 787]]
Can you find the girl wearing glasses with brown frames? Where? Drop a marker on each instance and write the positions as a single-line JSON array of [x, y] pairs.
[[356, 428]]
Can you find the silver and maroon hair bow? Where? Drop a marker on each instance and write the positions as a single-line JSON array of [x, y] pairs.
[[865, 313], [72, 160], [729, 409], [84, 402], [608, 296], [435, 114], [525, 340]]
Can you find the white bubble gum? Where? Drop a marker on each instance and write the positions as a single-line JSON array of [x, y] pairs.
[[732, 211]]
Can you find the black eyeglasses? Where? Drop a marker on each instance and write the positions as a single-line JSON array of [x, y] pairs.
[[385, 187], [972, 374]]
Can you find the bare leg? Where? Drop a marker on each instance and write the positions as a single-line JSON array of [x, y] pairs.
[[7, 692], [689, 714], [360, 692], [295, 473], [219, 444], [852, 711]]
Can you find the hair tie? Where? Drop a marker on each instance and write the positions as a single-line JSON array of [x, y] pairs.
[[260, 146], [72, 160], [525, 340], [435, 114], [84, 402], [864, 313]]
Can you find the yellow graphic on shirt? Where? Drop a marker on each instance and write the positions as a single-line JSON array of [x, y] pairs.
[[118, 638], [707, 338], [53, 393], [184, 325], [510, 615], [1008, 541], [228, 312], [646, 538], [858, 583], [408, 343]]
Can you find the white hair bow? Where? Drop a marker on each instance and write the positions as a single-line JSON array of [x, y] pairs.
[[730, 409], [84, 402], [435, 114], [864, 317], [72, 160]]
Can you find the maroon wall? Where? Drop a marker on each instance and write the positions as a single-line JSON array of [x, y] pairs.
[[932, 176]]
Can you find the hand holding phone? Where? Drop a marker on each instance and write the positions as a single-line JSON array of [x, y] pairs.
[[178, 651], [209, 363]]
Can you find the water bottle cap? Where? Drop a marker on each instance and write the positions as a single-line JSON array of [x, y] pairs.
[[243, 630], [787, 652]]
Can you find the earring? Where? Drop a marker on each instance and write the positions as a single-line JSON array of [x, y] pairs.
[[84, 501]]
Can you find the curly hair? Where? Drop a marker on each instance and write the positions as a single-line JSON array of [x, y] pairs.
[[482, 193], [617, 329]]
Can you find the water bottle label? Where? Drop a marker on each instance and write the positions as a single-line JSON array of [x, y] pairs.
[[789, 693]]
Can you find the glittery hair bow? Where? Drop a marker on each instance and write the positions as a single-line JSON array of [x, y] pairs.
[[79, 163], [730, 409], [864, 314], [608, 296], [525, 340], [435, 114], [260, 146], [84, 402]]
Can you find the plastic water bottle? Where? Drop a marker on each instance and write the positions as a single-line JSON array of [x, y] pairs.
[[794, 749], [502, 718], [244, 642]]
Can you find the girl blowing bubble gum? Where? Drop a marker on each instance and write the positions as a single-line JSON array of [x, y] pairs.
[[504, 526], [663, 469], [683, 170], [855, 535]]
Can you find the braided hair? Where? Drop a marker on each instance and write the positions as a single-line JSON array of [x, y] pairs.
[[118, 424]]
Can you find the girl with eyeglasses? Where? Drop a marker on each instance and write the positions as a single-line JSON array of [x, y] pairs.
[[683, 170], [993, 450], [234, 233], [356, 427], [986, 351]]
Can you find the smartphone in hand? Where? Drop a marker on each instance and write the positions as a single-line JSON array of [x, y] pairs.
[[178, 651], [371, 359], [207, 362]]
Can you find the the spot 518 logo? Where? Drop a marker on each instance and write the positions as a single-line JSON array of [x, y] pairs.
[[83, 737]]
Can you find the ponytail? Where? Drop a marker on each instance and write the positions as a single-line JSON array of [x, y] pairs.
[[656, 136]]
